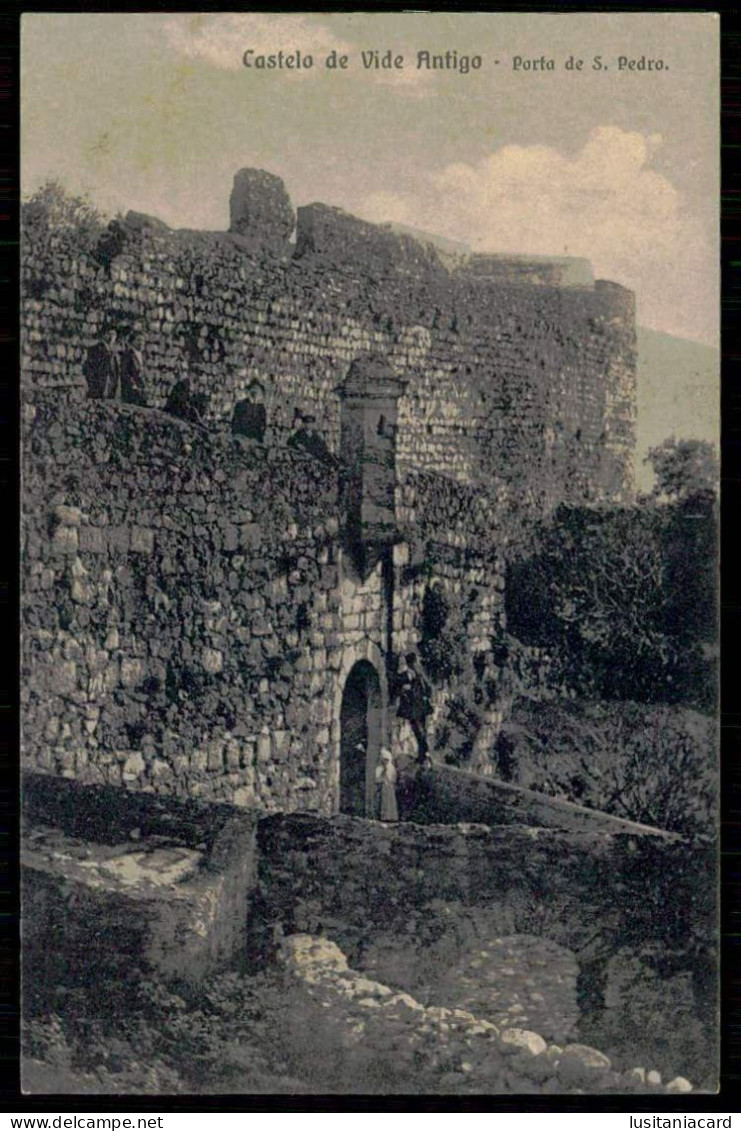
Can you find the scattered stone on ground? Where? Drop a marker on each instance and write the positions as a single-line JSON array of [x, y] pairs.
[[470, 1052], [518, 979]]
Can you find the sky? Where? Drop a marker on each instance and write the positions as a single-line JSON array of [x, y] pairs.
[[155, 112]]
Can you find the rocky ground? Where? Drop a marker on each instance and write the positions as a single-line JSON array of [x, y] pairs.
[[312, 1024], [506, 978], [517, 980], [452, 1050]]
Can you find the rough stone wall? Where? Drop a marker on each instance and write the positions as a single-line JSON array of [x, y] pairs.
[[180, 609], [458, 914], [450, 796], [189, 617], [450, 1049], [572, 887], [447, 543], [116, 884], [609, 898], [526, 388]]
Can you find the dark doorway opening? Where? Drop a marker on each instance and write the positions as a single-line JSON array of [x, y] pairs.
[[360, 722]]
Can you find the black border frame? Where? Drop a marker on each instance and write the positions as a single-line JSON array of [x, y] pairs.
[[11, 1099]]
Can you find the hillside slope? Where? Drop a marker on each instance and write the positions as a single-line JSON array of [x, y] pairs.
[[678, 394]]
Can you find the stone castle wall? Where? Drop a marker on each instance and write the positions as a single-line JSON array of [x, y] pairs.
[[189, 617], [181, 609], [118, 883], [520, 380]]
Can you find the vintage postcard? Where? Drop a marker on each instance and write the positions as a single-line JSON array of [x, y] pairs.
[[369, 569]]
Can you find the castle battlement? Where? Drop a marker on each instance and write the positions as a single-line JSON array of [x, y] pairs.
[[519, 372]]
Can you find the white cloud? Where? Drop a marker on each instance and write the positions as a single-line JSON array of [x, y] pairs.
[[606, 203], [222, 39]]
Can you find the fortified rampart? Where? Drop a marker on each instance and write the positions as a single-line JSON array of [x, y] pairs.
[[521, 373], [190, 616], [194, 620]]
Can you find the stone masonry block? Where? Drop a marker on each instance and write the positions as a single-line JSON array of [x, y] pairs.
[[92, 540], [142, 541], [260, 210], [65, 539]]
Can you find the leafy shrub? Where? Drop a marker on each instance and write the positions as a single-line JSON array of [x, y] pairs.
[[52, 210], [654, 764], [625, 600], [683, 468]]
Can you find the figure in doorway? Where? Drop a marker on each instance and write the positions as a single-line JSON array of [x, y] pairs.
[[386, 806], [415, 703]]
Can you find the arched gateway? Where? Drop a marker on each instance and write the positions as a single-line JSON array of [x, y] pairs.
[[361, 727]]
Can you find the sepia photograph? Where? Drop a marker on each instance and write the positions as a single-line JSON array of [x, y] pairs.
[[369, 553]]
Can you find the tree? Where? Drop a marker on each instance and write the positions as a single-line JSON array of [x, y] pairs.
[[624, 599], [51, 209], [683, 468], [652, 763]]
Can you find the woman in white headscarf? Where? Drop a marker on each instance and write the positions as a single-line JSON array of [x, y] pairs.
[[386, 807]]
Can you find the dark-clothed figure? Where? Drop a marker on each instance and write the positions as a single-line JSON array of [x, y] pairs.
[[307, 439], [102, 367], [185, 404], [250, 415], [132, 372], [199, 408], [386, 805], [415, 703]]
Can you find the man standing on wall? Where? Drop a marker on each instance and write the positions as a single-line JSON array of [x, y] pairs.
[[250, 415], [102, 367], [415, 703], [132, 375]]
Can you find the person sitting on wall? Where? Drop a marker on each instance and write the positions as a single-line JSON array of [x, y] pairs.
[[306, 438], [185, 404], [102, 368], [415, 703], [386, 806], [250, 415], [132, 371]]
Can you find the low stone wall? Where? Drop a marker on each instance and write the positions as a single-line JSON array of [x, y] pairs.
[[189, 616], [589, 891], [446, 795], [117, 884], [452, 1049], [406, 901]]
